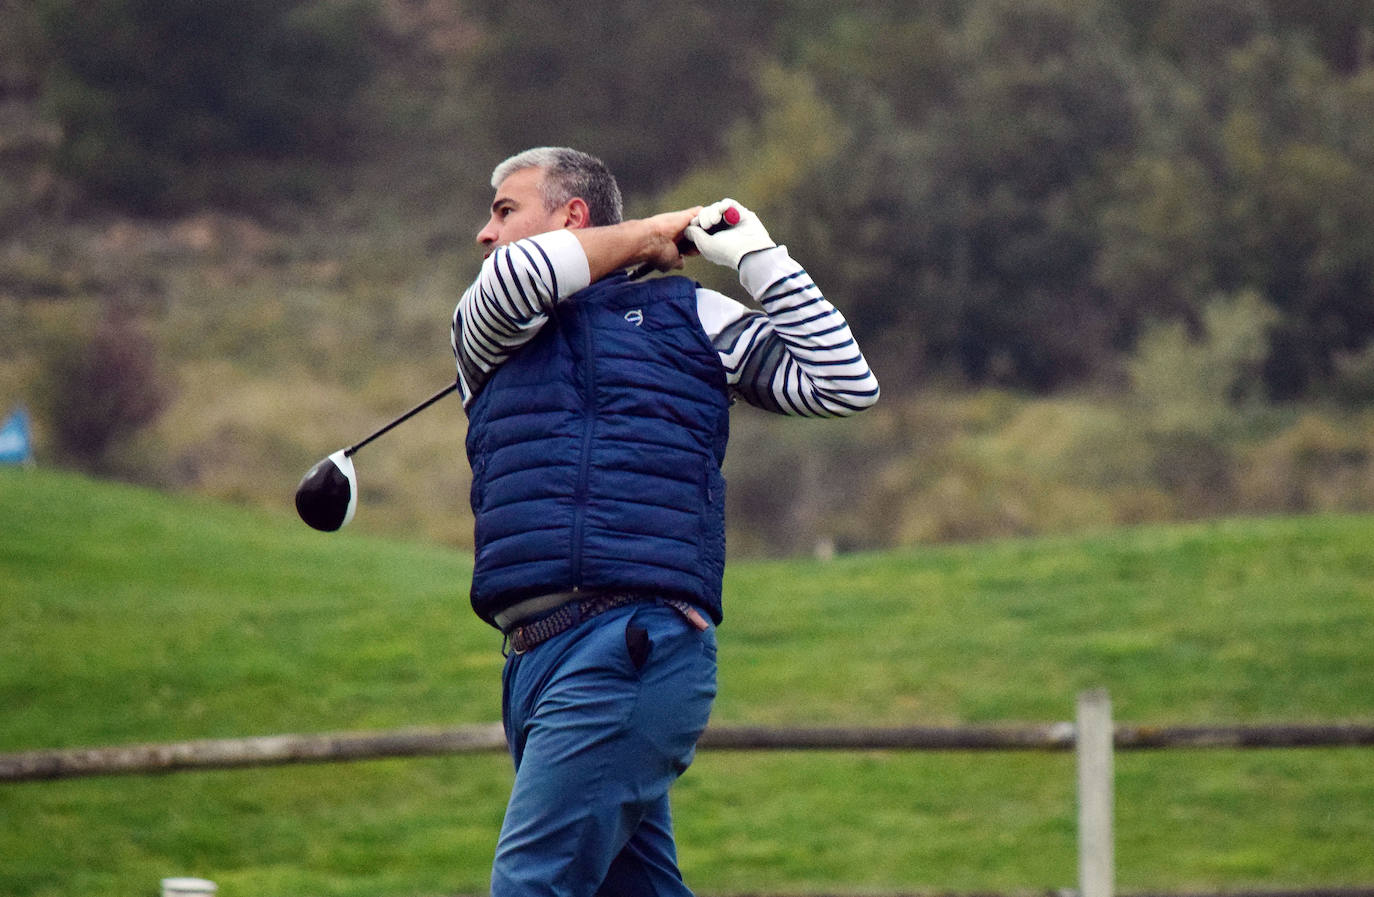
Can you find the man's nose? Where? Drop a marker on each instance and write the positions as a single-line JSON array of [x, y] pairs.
[[487, 236]]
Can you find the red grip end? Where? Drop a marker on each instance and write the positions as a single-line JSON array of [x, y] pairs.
[[731, 216]]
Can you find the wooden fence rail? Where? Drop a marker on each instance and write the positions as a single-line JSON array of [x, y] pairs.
[[1093, 736], [274, 750]]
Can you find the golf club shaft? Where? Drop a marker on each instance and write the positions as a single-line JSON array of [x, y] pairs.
[[404, 417]]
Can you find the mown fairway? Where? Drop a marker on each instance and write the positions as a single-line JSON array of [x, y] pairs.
[[131, 616]]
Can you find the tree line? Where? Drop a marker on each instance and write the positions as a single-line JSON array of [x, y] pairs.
[[1001, 192]]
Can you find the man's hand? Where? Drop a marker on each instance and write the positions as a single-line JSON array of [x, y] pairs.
[[729, 245], [663, 252]]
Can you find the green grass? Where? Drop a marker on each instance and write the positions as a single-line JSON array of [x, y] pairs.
[[132, 616]]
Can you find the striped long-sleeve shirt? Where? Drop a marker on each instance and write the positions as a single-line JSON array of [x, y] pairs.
[[797, 356]]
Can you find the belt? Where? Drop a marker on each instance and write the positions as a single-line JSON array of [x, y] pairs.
[[522, 637]]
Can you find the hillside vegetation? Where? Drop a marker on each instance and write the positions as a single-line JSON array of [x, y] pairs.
[[1110, 260], [132, 616]]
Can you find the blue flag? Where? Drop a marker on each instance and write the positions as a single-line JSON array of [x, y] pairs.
[[16, 444]]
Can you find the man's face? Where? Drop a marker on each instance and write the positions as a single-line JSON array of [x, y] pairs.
[[518, 211]]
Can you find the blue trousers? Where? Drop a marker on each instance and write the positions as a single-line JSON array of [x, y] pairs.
[[601, 720]]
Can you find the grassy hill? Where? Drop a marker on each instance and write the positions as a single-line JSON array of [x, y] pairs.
[[133, 616]]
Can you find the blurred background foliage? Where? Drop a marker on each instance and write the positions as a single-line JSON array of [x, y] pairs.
[[1113, 260]]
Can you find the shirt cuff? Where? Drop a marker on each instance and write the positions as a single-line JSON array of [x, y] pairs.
[[568, 260], [761, 269]]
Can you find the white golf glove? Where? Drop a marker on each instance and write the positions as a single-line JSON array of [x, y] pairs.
[[730, 243]]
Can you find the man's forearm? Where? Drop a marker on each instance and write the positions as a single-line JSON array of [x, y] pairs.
[[638, 241], [615, 247], [799, 357]]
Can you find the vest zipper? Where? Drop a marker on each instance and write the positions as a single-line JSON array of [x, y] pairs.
[[585, 460]]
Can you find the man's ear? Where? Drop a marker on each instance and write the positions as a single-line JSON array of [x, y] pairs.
[[577, 214]]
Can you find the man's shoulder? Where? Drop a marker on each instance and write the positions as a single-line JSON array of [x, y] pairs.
[[619, 289]]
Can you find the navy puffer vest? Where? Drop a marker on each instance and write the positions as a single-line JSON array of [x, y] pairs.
[[596, 453]]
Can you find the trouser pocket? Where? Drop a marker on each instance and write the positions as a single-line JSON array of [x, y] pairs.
[[637, 645]]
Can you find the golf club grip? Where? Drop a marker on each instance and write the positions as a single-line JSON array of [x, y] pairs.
[[727, 219], [348, 452]]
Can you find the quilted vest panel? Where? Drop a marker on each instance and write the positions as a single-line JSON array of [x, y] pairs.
[[596, 453]]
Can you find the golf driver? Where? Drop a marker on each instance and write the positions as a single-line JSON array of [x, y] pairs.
[[328, 494]]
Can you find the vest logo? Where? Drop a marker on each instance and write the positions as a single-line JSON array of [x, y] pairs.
[[635, 316]]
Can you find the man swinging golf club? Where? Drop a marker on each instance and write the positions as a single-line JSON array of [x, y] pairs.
[[597, 421]]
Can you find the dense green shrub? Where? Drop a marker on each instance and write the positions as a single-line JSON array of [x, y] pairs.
[[100, 388]]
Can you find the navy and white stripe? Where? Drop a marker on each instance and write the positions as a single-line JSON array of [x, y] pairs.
[[796, 357], [509, 301]]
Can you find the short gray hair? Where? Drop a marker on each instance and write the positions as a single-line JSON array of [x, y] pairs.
[[569, 173]]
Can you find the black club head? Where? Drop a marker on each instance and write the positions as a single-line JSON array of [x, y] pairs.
[[328, 493]]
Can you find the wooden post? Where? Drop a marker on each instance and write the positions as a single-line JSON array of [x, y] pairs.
[[1096, 875]]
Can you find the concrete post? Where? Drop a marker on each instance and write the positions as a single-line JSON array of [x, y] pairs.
[[1096, 863]]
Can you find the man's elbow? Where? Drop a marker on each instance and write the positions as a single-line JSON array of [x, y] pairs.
[[868, 398], [850, 402]]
